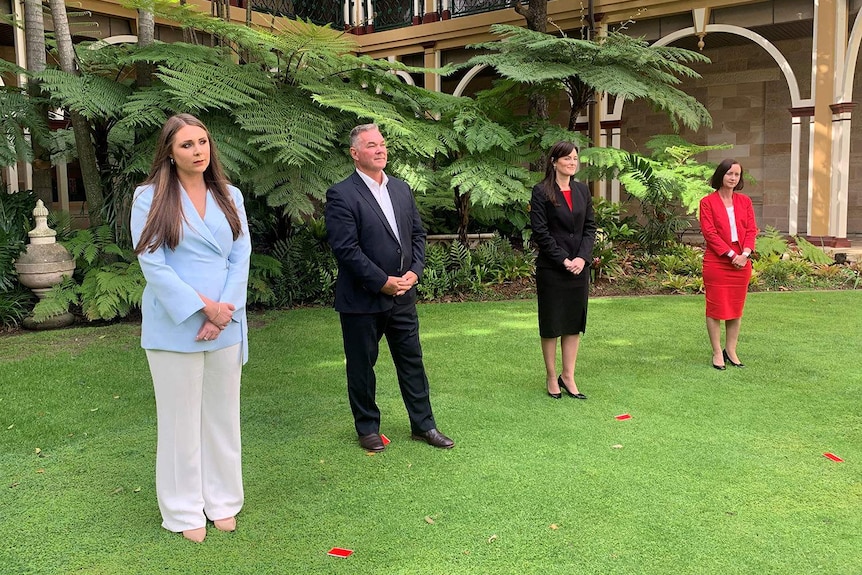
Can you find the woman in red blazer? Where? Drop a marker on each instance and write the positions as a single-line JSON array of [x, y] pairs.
[[728, 227]]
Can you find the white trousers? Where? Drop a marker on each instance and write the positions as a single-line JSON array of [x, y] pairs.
[[198, 456]]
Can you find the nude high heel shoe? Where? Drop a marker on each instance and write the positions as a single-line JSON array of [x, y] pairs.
[[197, 535], [228, 524]]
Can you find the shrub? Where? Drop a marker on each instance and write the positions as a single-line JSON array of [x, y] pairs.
[[770, 242], [16, 212], [15, 303], [774, 272], [613, 233], [308, 267], [107, 284], [264, 271]]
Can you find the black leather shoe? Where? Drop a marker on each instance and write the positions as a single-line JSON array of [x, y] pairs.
[[569, 393], [719, 367], [556, 395], [730, 361], [371, 442], [435, 438]]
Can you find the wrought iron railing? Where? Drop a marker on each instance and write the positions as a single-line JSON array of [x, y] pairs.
[[321, 12], [467, 7], [389, 14]]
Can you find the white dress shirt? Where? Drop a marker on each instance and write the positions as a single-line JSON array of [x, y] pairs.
[[381, 194]]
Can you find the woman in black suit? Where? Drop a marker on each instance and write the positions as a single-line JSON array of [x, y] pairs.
[[564, 229]]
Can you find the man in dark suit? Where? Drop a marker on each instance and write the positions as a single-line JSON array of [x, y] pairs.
[[375, 232]]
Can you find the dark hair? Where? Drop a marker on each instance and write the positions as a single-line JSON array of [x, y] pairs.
[[718, 176], [164, 222], [558, 150]]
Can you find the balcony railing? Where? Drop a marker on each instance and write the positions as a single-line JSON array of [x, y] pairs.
[[379, 14], [321, 12], [389, 14], [467, 7]]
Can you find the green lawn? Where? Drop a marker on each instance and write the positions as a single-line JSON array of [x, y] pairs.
[[717, 473]]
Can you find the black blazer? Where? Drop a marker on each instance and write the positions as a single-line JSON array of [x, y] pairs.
[[365, 246], [561, 233]]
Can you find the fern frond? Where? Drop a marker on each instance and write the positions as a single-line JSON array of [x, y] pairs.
[[223, 87], [94, 97], [771, 242], [297, 191], [15, 121], [289, 126], [490, 180], [146, 109], [57, 301], [811, 252]]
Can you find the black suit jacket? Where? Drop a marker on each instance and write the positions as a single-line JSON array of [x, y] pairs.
[[365, 246], [561, 233]]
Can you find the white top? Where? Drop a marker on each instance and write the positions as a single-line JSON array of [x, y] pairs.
[[381, 194], [734, 235]]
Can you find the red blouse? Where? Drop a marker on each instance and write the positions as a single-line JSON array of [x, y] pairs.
[[567, 194]]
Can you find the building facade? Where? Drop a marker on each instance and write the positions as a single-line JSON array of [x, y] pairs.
[[780, 86]]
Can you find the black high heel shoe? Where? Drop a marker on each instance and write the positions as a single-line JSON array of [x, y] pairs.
[[569, 393], [556, 395], [730, 361]]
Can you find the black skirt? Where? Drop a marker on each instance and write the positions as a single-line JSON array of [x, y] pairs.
[[562, 298]]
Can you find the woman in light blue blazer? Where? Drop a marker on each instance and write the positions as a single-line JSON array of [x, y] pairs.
[[191, 237]]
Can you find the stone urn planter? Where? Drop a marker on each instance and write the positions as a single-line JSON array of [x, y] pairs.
[[44, 265]]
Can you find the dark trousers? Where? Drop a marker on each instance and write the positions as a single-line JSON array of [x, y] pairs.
[[362, 334]]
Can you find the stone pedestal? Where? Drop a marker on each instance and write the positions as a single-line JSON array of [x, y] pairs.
[[44, 265]]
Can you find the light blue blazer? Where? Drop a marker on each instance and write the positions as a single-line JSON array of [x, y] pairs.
[[206, 261]]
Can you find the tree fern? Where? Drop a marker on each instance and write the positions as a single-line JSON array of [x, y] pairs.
[[616, 64]]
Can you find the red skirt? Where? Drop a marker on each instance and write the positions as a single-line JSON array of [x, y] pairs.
[[726, 286]]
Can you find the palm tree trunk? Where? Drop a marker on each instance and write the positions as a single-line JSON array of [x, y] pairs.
[[34, 33], [462, 208], [83, 138], [536, 16], [146, 37]]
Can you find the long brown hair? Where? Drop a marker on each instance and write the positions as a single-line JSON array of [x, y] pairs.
[[559, 150], [165, 221]]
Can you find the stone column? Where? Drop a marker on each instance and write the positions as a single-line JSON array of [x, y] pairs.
[[797, 115], [432, 60], [825, 18], [841, 172]]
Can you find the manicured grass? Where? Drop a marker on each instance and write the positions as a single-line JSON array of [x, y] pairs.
[[717, 473]]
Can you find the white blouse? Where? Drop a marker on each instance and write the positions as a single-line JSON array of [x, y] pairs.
[[734, 235]]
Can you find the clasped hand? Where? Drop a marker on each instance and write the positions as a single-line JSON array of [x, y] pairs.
[[576, 266], [399, 285], [219, 315], [739, 261]]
